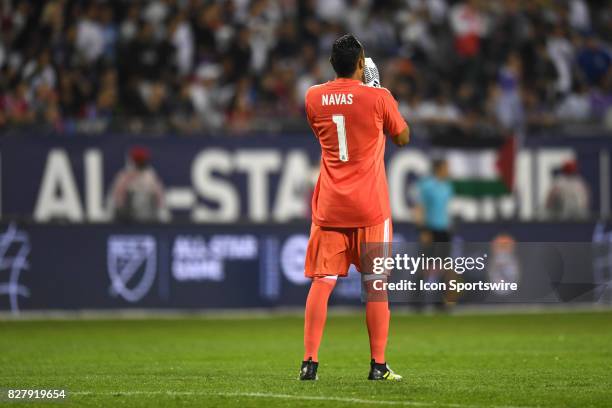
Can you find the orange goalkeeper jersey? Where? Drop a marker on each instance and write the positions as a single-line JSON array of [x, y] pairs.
[[350, 120]]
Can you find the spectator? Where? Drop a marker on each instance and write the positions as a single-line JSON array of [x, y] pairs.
[[561, 53], [90, 41], [579, 15], [156, 12], [576, 106], [509, 109], [152, 109], [594, 61], [39, 71], [439, 111], [182, 41], [148, 57], [129, 27], [469, 25], [205, 96], [17, 107], [601, 99], [266, 52], [183, 117], [109, 32]]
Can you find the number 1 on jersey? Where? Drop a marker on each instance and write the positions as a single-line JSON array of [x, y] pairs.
[[341, 128]]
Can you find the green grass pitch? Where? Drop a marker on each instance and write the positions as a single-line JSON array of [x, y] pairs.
[[454, 361]]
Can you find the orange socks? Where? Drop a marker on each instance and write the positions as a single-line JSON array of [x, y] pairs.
[[316, 314], [377, 319]]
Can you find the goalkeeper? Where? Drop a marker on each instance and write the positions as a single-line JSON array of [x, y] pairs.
[[350, 204]]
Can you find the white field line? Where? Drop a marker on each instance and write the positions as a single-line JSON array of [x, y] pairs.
[[262, 313], [292, 397]]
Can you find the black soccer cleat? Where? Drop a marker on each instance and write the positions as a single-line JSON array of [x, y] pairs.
[[308, 371], [382, 372]]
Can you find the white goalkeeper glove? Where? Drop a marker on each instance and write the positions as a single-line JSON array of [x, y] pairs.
[[370, 73]]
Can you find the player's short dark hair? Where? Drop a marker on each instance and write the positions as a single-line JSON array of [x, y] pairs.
[[437, 164], [345, 54]]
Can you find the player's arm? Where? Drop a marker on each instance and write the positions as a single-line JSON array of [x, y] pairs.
[[402, 138], [309, 115], [394, 123]]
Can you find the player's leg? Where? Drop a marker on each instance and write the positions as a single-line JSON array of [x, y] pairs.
[[377, 318], [376, 241], [315, 317], [326, 259]]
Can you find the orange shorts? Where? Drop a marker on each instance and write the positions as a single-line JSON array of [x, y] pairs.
[[331, 250]]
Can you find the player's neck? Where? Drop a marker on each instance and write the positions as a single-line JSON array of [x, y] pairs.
[[354, 77]]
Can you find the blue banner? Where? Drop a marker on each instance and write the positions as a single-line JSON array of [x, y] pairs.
[[105, 266]]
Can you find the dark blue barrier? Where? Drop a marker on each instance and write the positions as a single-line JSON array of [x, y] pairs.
[[88, 266]]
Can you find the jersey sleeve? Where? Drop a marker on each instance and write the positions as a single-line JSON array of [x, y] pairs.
[[309, 113], [393, 121]]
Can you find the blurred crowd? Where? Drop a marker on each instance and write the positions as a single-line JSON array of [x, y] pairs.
[[235, 66]]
